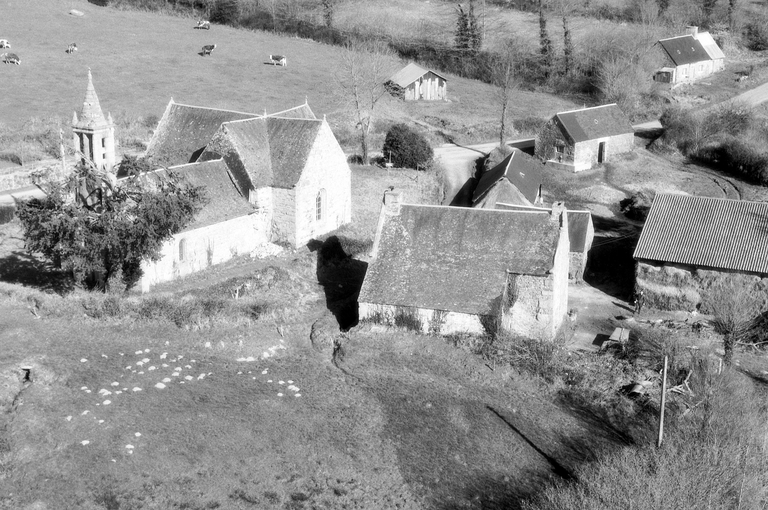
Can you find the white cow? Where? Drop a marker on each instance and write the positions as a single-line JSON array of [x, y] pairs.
[[203, 24], [4, 43], [11, 58], [208, 48], [71, 48], [278, 60]]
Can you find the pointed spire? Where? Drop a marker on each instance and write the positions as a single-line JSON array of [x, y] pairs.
[[109, 119], [172, 101], [74, 118], [306, 100], [91, 115]]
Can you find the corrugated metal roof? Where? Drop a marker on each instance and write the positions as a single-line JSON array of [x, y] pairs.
[[520, 169], [410, 74], [684, 49], [578, 224], [456, 258], [707, 232], [596, 122], [710, 46]]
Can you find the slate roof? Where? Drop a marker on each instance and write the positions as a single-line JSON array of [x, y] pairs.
[[596, 122], [578, 224], [456, 258], [297, 112], [706, 232], [225, 203], [273, 150], [710, 46], [185, 130], [91, 115], [684, 49], [520, 169], [411, 73]]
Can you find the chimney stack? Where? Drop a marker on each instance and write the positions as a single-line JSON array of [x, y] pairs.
[[392, 201], [558, 214], [693, 30]]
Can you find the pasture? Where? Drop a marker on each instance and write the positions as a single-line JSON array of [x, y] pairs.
[[140, 60]]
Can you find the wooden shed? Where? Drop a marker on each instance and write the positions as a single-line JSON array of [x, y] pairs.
[[414, 83]]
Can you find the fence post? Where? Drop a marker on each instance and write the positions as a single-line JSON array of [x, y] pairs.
[[663, 402]]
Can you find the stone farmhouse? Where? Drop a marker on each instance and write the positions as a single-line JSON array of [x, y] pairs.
[[581, 234], [446, 270], [691, 246], [414, 83], [516, 180], [279, 178], [689, 57], [580, 139]]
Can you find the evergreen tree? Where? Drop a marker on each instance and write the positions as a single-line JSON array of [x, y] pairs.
[[545, 42]]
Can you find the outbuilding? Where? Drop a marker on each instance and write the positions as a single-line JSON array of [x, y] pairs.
[[689, 57], [516, 180], [414, 83], [581, 139], [446, 270], [692, 247]]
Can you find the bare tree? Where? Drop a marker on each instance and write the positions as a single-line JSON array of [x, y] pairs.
[[565, 9], [361, 75], [506, 80], [734, 304]]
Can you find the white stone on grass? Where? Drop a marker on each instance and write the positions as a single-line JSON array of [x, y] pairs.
[[84, 388], [180, 356], [159, 386], [145, 360], [178, 369], [118, 392], [298, 395], [139, 352], [293, 387], [201, 376], [87, 391], [264, 372], [164, 355], [101, 421], [280, 382], [83, 360], [85, 442], [136, 388], [151, 368], [137, 434], [129, 367], [187, 366], [84, 413], [129, 446], [146, 350], [104, 356], [188, 377], [175, 374], [279, 394], [139, 363], [165, 365], [290, 382], [104, 392], [269, 380], [239, 373], [107, 402], [68, 418], [115, 383], [141, 373], [167, 380]]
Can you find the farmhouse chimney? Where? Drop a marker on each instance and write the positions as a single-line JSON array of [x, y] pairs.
[[558, 214], [693, 30], [390, 207]]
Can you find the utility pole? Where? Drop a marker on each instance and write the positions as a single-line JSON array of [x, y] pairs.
[[663, 402]]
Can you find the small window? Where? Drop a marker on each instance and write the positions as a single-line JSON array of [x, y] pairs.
[[320, 205], [182, 250], [103, 143]]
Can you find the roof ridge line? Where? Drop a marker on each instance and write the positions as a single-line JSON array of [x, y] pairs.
[[218, 109], [590, 108]]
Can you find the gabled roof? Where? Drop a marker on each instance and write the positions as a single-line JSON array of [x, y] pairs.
[[707, 232], [272, 150], [596, 122], [578, 224], [297, 112], [520, 169], [709, 45], [456, 258], [411, 73], [684, 49], [225, 203], [185, 130]]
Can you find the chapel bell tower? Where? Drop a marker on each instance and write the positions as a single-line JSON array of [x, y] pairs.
[[94, 136]]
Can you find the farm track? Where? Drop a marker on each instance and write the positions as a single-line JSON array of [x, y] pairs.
[[730, 190]]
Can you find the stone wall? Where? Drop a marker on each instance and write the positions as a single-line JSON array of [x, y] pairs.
[[423, 320], [691, 72], [687, 288], [577, 264], [586, 153], [205, 247], [327, 170]]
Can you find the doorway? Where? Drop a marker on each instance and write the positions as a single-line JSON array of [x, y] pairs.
[[601, 152]]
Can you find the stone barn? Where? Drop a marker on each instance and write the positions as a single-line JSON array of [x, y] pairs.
[[445, 270], [581, 233], [581, 139], [414, 83], [691, 248], [689, 57], [516, 180], [288, 165]]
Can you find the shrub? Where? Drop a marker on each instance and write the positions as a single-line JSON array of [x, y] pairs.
[[637, 206], [407, 148], [756, 34], [226, 12]]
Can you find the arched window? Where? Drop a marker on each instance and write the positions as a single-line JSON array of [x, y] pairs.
[[320, 205], [182, 250]]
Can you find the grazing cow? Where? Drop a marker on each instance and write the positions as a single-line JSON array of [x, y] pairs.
[[208, 48], [11, 58], [278, 60], [203, 24], [71, 48], [5, 44]]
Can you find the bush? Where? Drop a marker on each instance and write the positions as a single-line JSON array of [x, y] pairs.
[[226, 12], [756, 34], [637, 206], [407, 148]]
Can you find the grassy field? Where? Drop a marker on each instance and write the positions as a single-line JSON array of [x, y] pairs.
[[140, 60]]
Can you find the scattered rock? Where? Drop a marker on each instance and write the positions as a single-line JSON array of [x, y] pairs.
[[75, 12]]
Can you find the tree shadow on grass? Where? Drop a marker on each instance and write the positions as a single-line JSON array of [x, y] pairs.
[[341, 277], [24, 269]]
